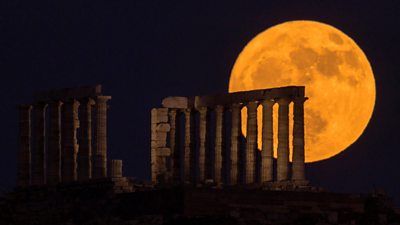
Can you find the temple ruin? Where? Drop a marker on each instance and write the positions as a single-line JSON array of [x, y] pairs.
[[188, 162], [63, 138]]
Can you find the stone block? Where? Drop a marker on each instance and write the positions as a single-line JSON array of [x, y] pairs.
[[176, 102], [159, 115], [163, 127], [163, 151]]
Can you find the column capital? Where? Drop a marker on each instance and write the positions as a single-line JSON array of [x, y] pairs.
[[235, 106], [102, 98], [268, 102], [172, 112], [187, 111], [252, 104], [300, 100], [283, 101], [203, 109], [219, 108]]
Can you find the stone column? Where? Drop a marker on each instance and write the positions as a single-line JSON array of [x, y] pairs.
[[100, 154], [203, 136], [69, 142], [114, 168], [298, 140], [24, 151], [219, 143], [251, 142], [283, 139], [54, 148], [174, 143], [38, 163], [236, 132], [266, 172], [159, 150], [85, 140], [188, 150]]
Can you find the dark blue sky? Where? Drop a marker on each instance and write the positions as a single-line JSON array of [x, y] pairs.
[[142, 51]]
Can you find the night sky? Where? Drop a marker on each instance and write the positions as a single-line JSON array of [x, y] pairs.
[[143, 51]]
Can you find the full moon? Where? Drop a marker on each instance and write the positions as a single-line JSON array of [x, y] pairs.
[[336, 73]]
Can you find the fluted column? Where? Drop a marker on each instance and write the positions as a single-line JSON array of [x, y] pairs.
[[251, 142], [298, 140], [38, 163], [114, 168], [174, 142], [85, 140], [188, 150], [219, 143], [69, 142], [24, 150], [283, 139], [266, 172], [203, 136], [236, 132], [100, 153], [54, 148]]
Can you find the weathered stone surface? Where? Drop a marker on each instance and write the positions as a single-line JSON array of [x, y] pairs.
[[174, 160], [163, 127], [69, 141], [163, 152], [159, 115], [266, 172], [114, 168], [54, 149], [66, 94], [248, 96], [188, 148], [283, 139], [235, 134], [85, 146], [298, 140], [203, 136], [251, 142], [100, 153], [219, 144], [175, 102]]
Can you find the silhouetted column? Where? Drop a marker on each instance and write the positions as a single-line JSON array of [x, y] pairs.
[[236, 132], [38, 163], [69, 142], [251, 142], [266, 172], [85, 140], [24, 151], [188, 150], [100, 153], [203, 142], [298, 140], [114, 168], [174, 142], [54, 149], [283, 139], [219, 143]]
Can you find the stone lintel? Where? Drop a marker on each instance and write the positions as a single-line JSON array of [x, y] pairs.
[[247, 96], [65, 94], [177, 102]]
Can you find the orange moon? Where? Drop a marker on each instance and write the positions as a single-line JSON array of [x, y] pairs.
[[336, 73]]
